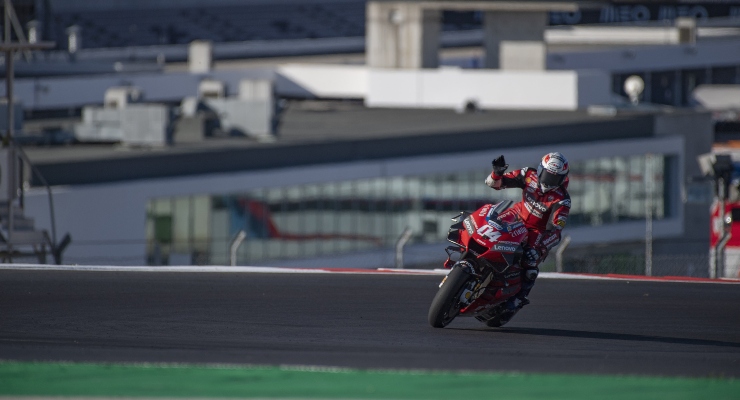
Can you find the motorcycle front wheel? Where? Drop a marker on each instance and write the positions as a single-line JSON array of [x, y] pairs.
[[446, 303]]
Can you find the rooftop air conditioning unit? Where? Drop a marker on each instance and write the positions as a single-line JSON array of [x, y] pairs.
[[200, 56], [211, 89], [119, 96]]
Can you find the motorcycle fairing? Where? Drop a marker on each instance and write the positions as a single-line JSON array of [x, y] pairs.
[[496, 245]]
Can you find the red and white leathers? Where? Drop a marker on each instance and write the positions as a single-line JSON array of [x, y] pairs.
[[543, 213]]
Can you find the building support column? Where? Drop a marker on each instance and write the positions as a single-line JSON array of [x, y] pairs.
[[402, 35], [515, 40]]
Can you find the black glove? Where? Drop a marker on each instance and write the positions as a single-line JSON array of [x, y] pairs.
[[499, 165]]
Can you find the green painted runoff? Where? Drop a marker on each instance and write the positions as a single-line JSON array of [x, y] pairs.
[[171, 380]]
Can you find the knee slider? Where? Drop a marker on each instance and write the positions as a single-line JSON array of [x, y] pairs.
[[531, 274]]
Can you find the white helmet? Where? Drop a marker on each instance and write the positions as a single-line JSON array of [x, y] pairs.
[[552, 171]]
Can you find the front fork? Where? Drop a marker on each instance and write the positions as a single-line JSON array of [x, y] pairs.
[[476, 287]]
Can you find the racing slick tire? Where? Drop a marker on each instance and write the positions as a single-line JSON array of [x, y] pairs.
[[446, 304]]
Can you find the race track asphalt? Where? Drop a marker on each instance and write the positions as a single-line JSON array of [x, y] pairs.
[[365, 321]]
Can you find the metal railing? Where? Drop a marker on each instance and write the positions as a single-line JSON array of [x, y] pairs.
[[22, 155], [695, 265], [57, 248]]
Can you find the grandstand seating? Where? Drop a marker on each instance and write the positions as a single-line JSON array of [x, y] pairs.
[[262, 21], [219, 24]]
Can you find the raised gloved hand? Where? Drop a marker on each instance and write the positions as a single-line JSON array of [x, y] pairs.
[[499, 166]]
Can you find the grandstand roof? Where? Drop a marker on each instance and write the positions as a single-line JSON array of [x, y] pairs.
[[331, 132]]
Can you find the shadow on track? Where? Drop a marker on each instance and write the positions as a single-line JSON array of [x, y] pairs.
[[608, 336]]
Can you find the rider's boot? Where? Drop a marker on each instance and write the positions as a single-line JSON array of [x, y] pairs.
[[520, 299], [517, 302]]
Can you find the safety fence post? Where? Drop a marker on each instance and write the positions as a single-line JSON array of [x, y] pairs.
[[235, 244], [402, 240], [559, 254]]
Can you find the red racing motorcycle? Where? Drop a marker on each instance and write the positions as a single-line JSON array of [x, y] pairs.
[[485, 270]]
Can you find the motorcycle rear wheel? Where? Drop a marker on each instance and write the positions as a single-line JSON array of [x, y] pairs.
[[446, 304]]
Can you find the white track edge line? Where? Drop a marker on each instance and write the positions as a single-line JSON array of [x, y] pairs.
[[288, 270]]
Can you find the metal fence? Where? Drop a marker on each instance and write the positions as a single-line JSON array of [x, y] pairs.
[[663, 265]]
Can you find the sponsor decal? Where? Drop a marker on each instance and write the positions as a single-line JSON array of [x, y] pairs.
[[508, 249], [495, 225], [549, 198], [565, 202], [560, 223], [528, 180], [532, 210], [509, 243], [550, 243], [468, 226], [511, 275], [550, 240], [556, 157], [484, 211], [539, 238], [536, 204], [519, 231]]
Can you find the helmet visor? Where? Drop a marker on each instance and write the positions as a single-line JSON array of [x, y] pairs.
[[548, 179]]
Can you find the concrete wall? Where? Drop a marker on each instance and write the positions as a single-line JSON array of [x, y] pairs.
[[487, 89], [62, 93], [437, 88], [613, 35], [402, 35], [650, 58], [327, 81], [352, 81], [515, 40]]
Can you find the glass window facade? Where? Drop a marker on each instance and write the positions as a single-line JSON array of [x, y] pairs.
[[351, 216]]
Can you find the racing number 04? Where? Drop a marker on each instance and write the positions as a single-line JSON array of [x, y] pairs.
[[489, 232]]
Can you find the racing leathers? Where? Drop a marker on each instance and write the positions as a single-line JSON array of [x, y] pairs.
[[543, 213]]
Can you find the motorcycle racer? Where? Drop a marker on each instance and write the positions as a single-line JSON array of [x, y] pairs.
[[544, 210]]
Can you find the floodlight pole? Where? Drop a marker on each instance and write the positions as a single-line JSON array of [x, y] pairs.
[[9, 48], [7, 140], [7, 21], [724, 234], [649, 176], [722, 171]]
